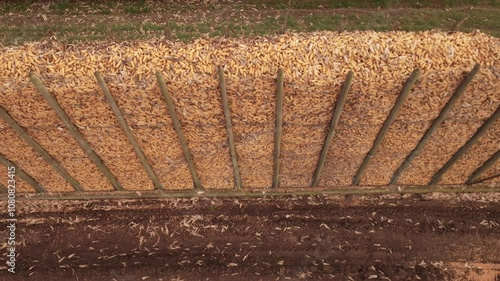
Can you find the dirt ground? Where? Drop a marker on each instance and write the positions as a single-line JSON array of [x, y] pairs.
[[390, 237]]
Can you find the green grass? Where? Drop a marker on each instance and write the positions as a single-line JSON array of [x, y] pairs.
[[313, 23], [143, 7], [75, 7], [311, 4], [16, 6], [485, 20], [137, 7], [62, 6]]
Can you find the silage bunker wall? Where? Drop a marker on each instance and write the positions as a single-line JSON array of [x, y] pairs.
[[315, 66]]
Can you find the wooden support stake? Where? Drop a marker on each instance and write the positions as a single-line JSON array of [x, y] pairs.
[[487, 178], [126, 129], [22, 174], [333, 125], [178, 130], [442, 115], [38, 148], [486, 165], [479, 133], [387, 124], [3, 188], [258, 193], [229, 128], [278, 128], [74, 130]]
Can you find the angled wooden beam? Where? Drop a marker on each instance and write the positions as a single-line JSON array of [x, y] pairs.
[[442, 115], [22, 174], [332, 127], [128, 133], [178, 130], [38, 148], [479, 133], [278, 128], [74, 131], [486, 165], [229, 128], [387, 124], [487, 178]]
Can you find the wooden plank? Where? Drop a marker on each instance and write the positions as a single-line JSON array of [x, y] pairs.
[[258, 193], [479, 133], [38, 148], [486, 165], [178, 130], [442, 115], [229, 128], [74, 131], [387, 124], [22, 174], [128, 133], [278, 128], [331, 129]]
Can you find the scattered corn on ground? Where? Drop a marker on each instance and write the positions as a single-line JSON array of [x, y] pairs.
[[315, 66]]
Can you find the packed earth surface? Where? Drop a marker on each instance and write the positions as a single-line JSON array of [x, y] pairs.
[[389, 237]]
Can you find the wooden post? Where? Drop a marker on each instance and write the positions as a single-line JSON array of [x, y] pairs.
[[479, 133], [258, 193], [387, 124], [128, 133], [333, 125], [3, 188], [178, 130], [229, 128], [38, 148], [74, 131], [22, 174], [486, 165], [278, 128], [167, 32], [442, 115]]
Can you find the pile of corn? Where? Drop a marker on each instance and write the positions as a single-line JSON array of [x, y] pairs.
[[315, 66]]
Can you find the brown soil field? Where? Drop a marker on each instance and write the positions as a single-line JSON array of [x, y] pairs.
[[390, 237]]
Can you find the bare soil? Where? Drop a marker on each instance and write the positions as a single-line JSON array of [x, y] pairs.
[[289, 238]]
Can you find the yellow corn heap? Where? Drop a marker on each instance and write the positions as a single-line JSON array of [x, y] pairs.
[[315, 65]]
